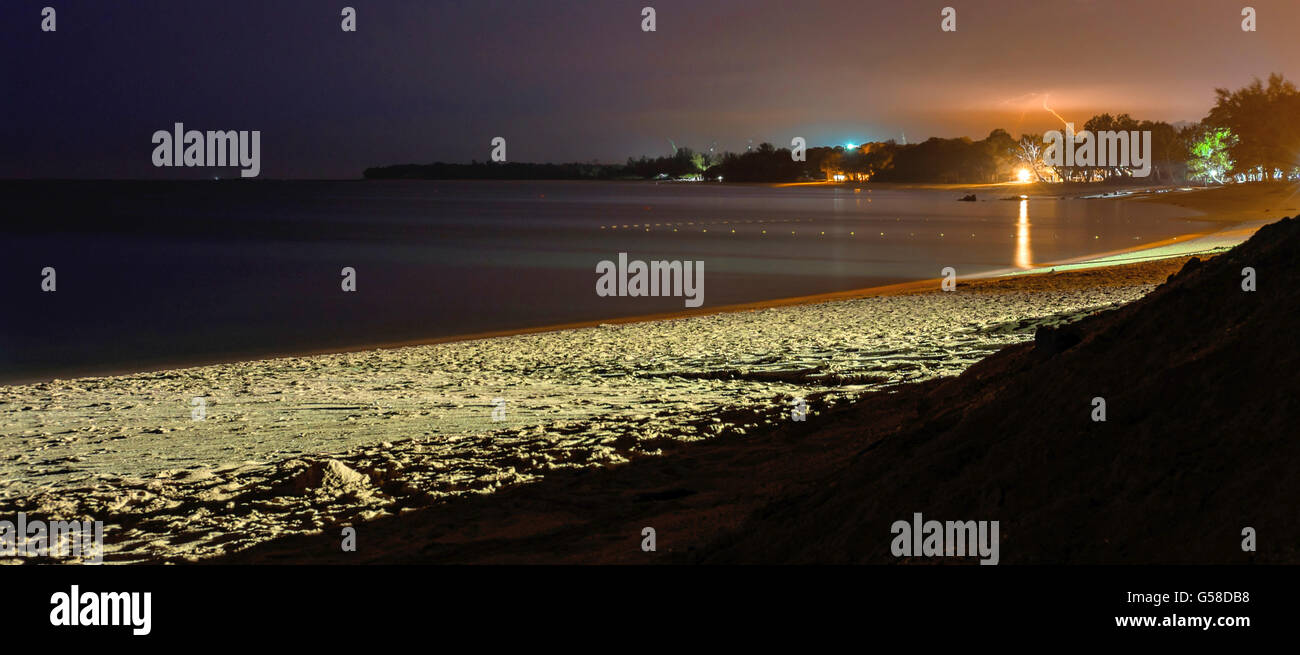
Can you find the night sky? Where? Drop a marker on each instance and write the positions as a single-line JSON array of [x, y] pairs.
[[577, 80]]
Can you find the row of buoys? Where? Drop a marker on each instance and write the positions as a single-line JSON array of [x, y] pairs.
[[675, 227], [626, 226], [882, 234], [854, 233]]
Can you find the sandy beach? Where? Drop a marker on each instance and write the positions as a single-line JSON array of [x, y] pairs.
[[300, 445]]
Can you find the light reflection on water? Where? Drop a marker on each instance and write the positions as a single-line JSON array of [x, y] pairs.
[[1024, 253]]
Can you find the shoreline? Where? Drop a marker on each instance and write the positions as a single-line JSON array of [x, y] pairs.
[[1237, 225], [898, 288], [351, 438]]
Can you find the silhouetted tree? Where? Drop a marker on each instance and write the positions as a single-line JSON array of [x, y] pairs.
[[1264, 119]]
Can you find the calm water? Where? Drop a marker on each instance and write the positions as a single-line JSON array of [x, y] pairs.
[[154, 274]]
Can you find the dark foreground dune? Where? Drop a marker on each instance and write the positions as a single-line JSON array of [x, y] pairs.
[[1200, 442]]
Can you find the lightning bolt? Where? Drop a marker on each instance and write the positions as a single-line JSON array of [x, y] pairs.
[[1058, 116], [1030, 96]]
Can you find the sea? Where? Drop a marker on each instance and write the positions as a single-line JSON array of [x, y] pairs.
[[148, 275]]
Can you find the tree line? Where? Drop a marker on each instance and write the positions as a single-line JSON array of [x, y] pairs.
[[1251, 134]]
